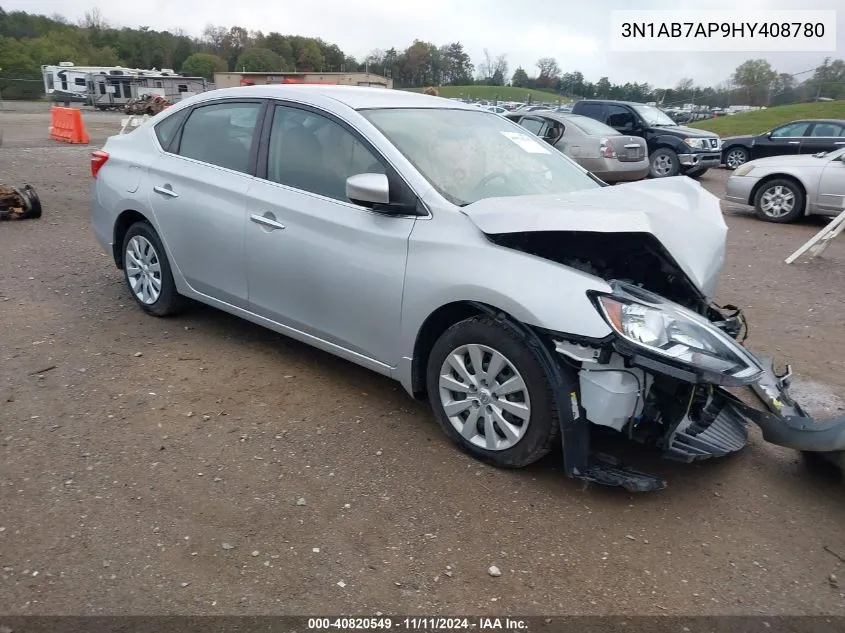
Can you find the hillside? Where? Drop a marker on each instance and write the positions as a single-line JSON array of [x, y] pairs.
[[764, 120], [502, 93]]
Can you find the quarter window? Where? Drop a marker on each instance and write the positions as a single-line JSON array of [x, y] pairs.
[[535, 126], [166, 130], [311, 152], [221, 134]]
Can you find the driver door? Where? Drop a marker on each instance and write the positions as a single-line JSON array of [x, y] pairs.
[[784, 140], [316, 262]]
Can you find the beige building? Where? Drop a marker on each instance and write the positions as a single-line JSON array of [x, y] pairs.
[[230, 80]]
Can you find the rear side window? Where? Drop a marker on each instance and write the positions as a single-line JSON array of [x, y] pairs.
[[167, 129], [535, 126], [221, 134], [592, 110]]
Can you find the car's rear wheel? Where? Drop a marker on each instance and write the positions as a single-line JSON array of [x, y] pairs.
[[736, 156], [779, 200], [491, 395], [664, 163], [147, 273]]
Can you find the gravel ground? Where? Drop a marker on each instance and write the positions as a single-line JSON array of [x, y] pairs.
[[205, 465]]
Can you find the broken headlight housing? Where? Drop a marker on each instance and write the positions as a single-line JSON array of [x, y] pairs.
[[672, 334]]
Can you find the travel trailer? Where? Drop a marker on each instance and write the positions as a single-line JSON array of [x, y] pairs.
[[68, 82], [111, 91]]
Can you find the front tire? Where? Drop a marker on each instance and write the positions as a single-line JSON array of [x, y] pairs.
[[147, 273], [735, 157], [490, 393], [779, 200], [664, 163]]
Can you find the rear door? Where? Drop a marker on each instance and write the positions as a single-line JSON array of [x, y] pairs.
[[831, 198], [197, 188], [823, 137]]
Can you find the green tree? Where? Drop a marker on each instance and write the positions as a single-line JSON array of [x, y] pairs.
[[309, 57], [520, 78], [203, 65], [259, 60], [549, 72], [280, 45], [754, 78]]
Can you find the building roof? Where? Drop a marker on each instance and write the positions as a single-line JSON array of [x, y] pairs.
[[356, 97]]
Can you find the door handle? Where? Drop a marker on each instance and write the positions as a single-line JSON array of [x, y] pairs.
[[268, 222], [794, 142], [167, 191], [839, 143]]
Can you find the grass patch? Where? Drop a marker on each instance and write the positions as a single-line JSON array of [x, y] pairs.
[[764, 120], [502, 93]]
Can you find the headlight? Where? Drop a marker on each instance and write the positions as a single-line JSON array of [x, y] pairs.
[[678, 334], [743, 170], [696, 143]]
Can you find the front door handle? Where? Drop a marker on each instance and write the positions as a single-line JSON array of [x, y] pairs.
[[839, 143], [268, 222], [794, 142], [166, 190]]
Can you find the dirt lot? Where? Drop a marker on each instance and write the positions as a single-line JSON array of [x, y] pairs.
[[158, 466]]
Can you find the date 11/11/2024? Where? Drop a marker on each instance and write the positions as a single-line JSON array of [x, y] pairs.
[[418, 623]]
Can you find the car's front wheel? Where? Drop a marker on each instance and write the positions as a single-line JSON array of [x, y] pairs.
[[147, 273], [664, 163], [736, 156], [779, 200], [490, 393]]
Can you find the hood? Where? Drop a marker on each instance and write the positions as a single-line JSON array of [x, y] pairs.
[[684, 217], [686, 132]]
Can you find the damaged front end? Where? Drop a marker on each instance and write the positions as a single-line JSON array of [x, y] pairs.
[[667, 377], [674, 372]]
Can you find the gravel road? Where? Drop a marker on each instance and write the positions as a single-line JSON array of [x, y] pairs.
[[202, 464]]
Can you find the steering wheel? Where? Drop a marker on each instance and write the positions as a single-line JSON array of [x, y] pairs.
[[482, 184]]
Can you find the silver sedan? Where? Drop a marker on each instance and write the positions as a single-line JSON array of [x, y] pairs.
[[598, 148], [785, 188]]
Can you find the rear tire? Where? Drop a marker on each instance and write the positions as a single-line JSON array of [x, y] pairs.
[[518, 439], [780, 200], [147, 273]]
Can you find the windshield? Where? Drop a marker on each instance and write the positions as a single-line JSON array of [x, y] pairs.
[[591, 126], [469, 155], [654, 116]]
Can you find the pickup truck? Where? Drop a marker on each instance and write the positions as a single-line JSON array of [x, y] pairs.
[[672, 149]]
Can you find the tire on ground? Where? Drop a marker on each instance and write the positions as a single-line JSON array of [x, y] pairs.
[[660, 155], [798, 203], [169, 300], [543, 423]]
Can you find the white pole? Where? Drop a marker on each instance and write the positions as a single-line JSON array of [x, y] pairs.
[[834, 228]]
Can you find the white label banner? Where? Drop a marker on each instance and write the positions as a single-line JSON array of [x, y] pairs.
[[732, 31]]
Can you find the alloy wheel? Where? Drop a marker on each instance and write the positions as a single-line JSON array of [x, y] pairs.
[[777, 201], [484, 396], [735, 158]]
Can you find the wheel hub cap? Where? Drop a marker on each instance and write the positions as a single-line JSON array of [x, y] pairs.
[[484, 397], [143, 270]]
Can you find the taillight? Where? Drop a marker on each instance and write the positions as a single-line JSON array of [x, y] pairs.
[[98, 159], [606, 149]]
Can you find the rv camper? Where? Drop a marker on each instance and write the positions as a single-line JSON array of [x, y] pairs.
[[110, 91], [70, 83]]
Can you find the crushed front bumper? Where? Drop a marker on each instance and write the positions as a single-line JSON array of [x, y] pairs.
[[700, 159]]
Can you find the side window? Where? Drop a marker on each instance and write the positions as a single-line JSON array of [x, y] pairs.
[[166, 130], [620, 118], [828, 130], [311, 152], [79, 81], [535, 126], [592, 110], [221, 134], [791, 129]]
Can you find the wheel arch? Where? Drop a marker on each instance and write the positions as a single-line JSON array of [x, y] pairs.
[[127, 218], [779, 176], [432, 329]]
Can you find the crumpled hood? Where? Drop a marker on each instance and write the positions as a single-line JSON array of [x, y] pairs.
[[679, 212]]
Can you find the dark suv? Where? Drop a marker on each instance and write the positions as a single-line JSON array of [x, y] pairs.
[[672, 149]]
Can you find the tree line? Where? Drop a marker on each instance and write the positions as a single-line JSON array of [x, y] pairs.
[[28, 40]]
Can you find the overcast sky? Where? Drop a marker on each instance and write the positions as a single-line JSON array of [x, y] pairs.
[[576, 33]]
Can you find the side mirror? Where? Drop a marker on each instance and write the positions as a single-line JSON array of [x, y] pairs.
[[368, 189]]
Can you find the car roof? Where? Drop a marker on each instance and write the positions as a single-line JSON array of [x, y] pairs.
[[839, 121], [355, 97]]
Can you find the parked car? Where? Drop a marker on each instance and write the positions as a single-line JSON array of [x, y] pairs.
[[447, 248], [672, 149], [806, 136], [598, 148], [785, 188]]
